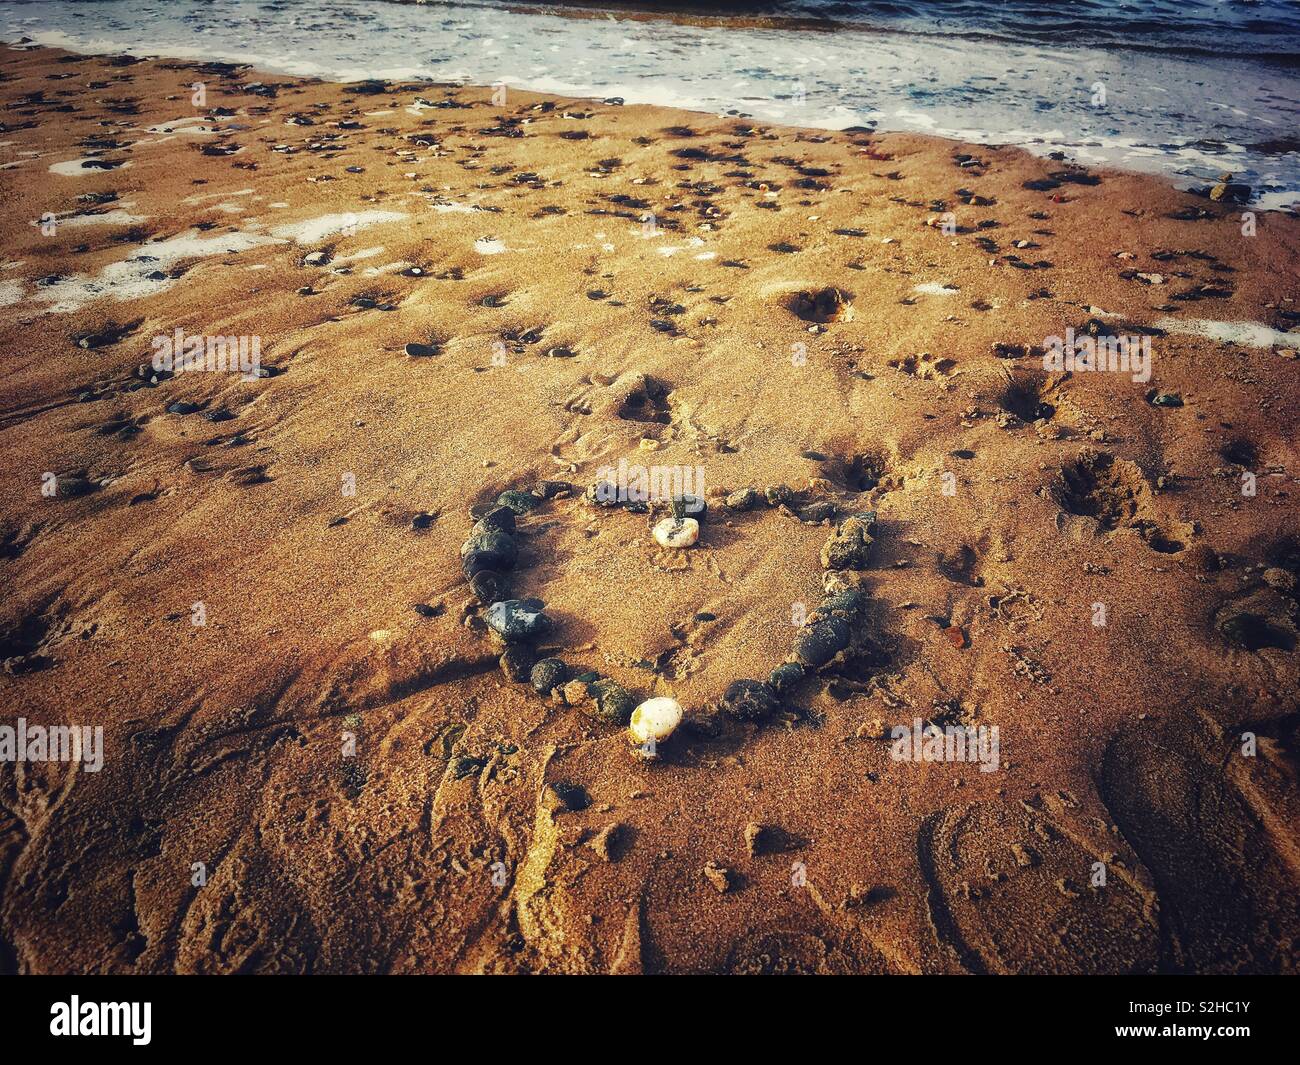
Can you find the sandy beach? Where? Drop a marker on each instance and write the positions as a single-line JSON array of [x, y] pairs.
[[251, 572]]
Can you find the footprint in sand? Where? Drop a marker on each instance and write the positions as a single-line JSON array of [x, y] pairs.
[[1012, 891], [1217, 832]]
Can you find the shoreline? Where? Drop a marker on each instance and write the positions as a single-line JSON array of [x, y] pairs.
[[781, 82], [256, 582]]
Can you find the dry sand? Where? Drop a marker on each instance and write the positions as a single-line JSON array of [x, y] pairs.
[[226, 743]]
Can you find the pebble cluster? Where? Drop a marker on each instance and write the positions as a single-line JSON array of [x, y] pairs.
[[831, 633]]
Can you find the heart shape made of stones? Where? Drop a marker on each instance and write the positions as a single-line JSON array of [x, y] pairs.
[[831, 635]]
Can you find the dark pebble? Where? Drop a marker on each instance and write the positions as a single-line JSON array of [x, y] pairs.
[[816, 513], [548, 674], [610, 702], [750, 700], [786, 676], [517, 619], [517, 662], [519, 502], [488, 548], [182, 406], [486, 585], [821, 641]]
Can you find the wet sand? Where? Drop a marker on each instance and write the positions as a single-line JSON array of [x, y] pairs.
[[337, 743]]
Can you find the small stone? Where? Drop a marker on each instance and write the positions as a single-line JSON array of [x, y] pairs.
[[518, 502], [1166, 399], [851, 544], [315, 258], [778, 495], [486, 585], [786, 676], [488, 548], [549, 674], [560, 352], [518, 619], [611, 702], [517, 662], [552, 489], [182, 406], [742, 499], [690, 506], [750, 700], [719, 876], [821, 641], [848, 603], [502, 518], [69, 486], [421, 351], [654, 721], [602, 494], [676, 533], [816, 513]]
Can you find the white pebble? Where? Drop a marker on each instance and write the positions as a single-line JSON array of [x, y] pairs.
[[655, 720], [677, 532]]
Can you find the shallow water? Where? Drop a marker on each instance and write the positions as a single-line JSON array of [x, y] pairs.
[[1157, 103]]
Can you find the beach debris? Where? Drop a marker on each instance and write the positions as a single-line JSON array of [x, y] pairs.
[[518, 619], [1231, 191], [653, 721]]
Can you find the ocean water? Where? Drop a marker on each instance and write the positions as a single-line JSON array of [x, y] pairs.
[[1187, 89]]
